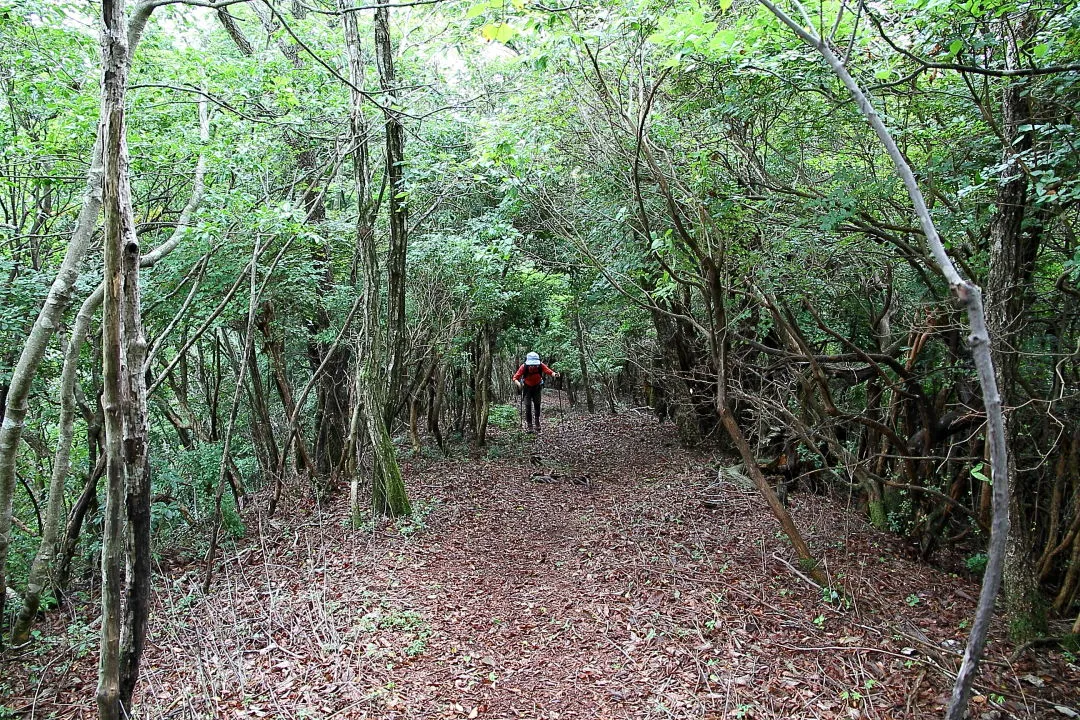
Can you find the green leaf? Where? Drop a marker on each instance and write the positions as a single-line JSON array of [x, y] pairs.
[[506, 32], [725, 5], [956, 46], [499, 32], [883, 74], [477, 10], [1040, 50]]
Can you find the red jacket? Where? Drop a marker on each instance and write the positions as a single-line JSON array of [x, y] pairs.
[[532, 379]]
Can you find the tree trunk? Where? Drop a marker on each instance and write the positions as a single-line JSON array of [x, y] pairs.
[[398, 206], [57, 300], [374, 376], [979, 341], [262, 428], [676, 391], [583, 365], [33, 351], [436, 388], [275, 351], [1011, 261], [136, 613], [42, 565], [229, 23], [86, 500], [119, 228], [483, 356], [234, 406]]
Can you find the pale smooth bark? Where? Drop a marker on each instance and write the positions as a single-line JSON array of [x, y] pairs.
[[970, 296], [41, 567], [33, 351], [48, 319]]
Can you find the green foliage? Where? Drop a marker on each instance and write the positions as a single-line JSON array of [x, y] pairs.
[[976, 563], [417, 522], [503, 416]]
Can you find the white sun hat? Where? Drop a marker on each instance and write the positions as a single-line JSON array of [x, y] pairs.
[[532, 359]]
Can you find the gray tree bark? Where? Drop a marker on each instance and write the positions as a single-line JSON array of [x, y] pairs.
[[970, 296], [48, 319], [376, 367], [1012, 255], [119, 229]]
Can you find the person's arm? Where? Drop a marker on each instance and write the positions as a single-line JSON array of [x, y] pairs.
[[548, 370], [519, 373]]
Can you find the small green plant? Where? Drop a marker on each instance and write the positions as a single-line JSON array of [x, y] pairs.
[[976, 563], [417, 522], [820, 621], [852, 696], [742, 711], [504, 417], [912, 600]]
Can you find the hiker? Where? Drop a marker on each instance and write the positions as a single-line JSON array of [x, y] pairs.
[[529, 379]]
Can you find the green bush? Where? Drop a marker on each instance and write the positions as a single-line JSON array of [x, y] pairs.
[[503, 417]]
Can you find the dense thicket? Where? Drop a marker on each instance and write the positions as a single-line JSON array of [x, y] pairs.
[[381, 211]]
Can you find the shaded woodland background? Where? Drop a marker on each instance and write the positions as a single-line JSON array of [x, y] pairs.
[[367, 217]]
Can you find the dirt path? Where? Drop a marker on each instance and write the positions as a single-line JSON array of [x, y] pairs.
[[604, 590]]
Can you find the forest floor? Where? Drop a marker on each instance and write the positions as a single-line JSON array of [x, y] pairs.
[[577, 574]]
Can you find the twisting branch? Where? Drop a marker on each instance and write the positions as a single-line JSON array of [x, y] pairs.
[[972, 69], [970, 296]]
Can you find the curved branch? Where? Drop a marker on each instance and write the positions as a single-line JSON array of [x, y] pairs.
[[970, 295]]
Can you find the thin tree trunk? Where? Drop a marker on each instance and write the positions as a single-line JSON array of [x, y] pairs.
[[75, 520], [41, 333], [374, 377], [274, 351], [43, 560], [56, 302], [119, 230], [229, 23], [970, 296], [42, 565], [481, 382], [583, 365], [436, 385], [234, 406], [136, 607], [398, 206], [1005, 302]]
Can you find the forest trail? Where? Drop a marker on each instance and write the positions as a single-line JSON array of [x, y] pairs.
[[623, 598]]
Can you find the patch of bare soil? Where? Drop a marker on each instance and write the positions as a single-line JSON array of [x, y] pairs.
[[579, 575]]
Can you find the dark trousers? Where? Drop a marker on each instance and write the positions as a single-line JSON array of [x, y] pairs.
[[532, 399]]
